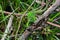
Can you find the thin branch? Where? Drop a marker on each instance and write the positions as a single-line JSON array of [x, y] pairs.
[[53, 24], [8, 28], [8, 13], [50, 23]]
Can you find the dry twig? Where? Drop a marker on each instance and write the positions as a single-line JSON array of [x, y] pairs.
[[53, 24], [44, 15], [8, 28]]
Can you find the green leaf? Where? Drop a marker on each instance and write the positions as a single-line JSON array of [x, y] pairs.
[[31, 16], [0, 7], [57, 14], [5, 18]]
